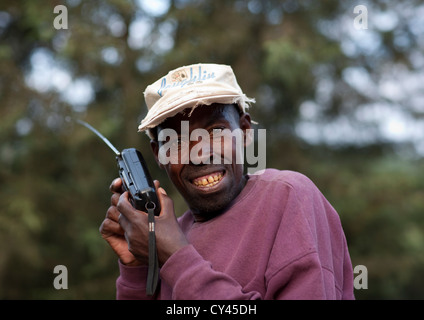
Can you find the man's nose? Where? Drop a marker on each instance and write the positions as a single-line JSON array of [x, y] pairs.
[[201, 153]]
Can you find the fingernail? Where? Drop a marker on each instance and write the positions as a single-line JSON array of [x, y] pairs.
[[162, 191]]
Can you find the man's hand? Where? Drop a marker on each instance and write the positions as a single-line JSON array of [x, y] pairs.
[[126, 229], [112, 232], [169, 236]]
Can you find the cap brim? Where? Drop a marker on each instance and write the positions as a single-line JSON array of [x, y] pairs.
[[158, 115]]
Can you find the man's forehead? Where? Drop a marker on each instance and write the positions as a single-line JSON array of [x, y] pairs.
[[201, 115]]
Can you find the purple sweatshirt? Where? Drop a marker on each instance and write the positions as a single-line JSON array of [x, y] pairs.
[[280, 239]]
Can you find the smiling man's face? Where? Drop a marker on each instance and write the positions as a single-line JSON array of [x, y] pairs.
[[208, 188]]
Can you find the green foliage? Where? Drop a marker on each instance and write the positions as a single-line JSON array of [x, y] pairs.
[[55, 175], [380, 204]]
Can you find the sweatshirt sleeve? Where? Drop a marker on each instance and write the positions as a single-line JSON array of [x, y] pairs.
[[310, 259], [192, 277], [131, 283], [303, 279]]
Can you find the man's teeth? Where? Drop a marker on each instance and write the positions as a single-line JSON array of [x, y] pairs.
[[208, 181]]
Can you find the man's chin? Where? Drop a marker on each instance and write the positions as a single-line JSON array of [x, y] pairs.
[[208, 207]]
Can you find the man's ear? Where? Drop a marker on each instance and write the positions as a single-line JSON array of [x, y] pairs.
[[246, 125], [155, 148]]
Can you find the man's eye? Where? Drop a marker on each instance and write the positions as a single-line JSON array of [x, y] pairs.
[[178, 143], [219, 128], [218, 131]]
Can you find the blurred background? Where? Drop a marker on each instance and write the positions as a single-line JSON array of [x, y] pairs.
[[339, 90]]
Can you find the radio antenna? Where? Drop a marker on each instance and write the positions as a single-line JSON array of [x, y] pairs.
[[85, 124]]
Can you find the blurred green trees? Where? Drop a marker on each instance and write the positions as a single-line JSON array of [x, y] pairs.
[[324, 93]]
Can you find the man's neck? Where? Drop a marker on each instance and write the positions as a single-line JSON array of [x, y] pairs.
[[202, 216]]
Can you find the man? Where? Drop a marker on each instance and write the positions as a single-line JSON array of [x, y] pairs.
[[270, 235]]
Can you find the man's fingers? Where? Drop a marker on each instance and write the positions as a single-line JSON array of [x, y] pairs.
[[124, 206], [114, 199], [126, 209], [110, 227], [112, 213], [166, 203], [156, 183], [116, 186], [110, 224]]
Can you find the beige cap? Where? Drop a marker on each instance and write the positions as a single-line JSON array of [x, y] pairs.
[[189, 87]]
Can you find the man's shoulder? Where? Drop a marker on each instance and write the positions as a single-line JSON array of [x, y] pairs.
[[290, 178]]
